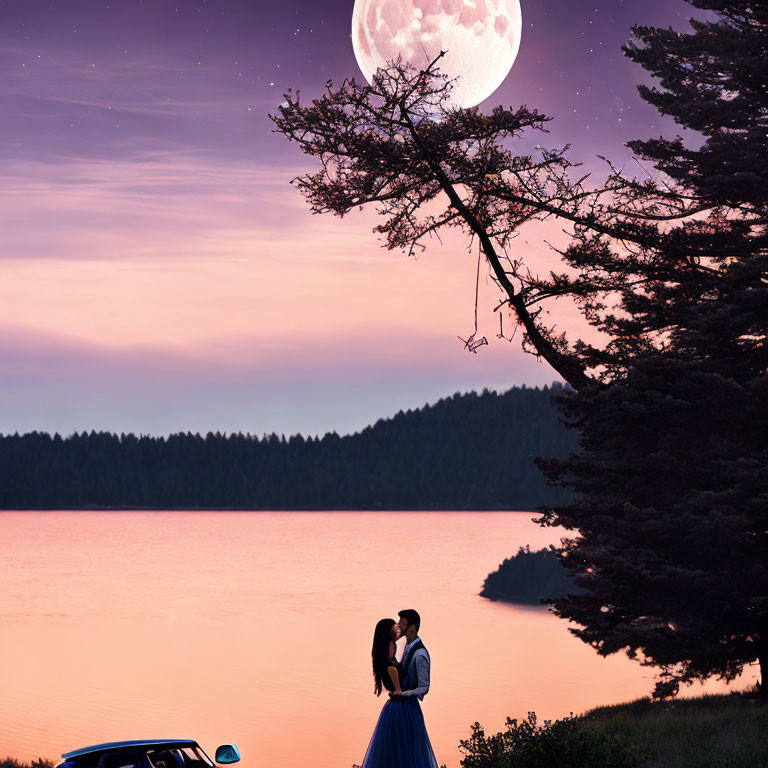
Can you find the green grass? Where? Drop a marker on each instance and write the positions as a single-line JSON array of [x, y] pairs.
[[729, 731]]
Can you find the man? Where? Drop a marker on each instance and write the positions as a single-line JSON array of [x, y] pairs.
[[400, 738], [415, 660]]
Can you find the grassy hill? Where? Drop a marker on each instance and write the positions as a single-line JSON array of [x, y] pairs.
[[728, 731]]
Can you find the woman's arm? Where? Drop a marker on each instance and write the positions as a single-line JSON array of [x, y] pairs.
[[395, 677]]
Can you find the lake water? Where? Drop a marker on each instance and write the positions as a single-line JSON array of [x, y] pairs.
[[255, 628]]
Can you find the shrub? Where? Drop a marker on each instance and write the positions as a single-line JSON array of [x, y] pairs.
[[12, 762], [560, 744]]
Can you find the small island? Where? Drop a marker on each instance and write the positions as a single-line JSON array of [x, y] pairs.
[[529, 578]]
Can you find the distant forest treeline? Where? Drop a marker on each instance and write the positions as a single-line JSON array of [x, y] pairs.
[[468, 451]]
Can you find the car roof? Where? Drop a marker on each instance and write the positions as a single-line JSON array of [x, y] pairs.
[[121, 744]]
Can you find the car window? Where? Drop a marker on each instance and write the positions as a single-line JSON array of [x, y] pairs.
[[81, 761], [194, 757], [163, 757], [119, 759]]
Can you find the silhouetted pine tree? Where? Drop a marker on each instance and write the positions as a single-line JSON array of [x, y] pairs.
[[671, 481]]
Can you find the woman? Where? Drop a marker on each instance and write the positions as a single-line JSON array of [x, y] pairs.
[[400, 739]]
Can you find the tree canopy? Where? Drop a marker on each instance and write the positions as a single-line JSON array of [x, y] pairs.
[[671, 479], [429, 167]]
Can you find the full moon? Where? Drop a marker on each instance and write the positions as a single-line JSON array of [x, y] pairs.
[[481, 38]]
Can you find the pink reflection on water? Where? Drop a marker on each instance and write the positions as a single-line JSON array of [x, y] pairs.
[[255, 628]]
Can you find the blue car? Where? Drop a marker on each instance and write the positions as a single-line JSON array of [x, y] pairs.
[[152, 753]]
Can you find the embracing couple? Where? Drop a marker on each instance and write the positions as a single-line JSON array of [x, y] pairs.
[[400, 738]]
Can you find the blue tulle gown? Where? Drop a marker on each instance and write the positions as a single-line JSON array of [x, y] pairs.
[[400, 738]]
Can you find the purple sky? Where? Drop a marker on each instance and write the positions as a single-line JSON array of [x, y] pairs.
[[157, 273]]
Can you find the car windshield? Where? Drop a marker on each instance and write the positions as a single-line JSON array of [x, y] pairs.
[[178, 757], [159, 756], [195, 757]]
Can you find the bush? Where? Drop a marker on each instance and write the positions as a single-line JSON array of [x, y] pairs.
[[12, 762], [563, 743]]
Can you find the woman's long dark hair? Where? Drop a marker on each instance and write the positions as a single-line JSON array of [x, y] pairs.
[[382, 637]]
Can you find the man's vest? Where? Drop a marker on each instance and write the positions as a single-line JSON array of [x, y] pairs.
[[410, 674]]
